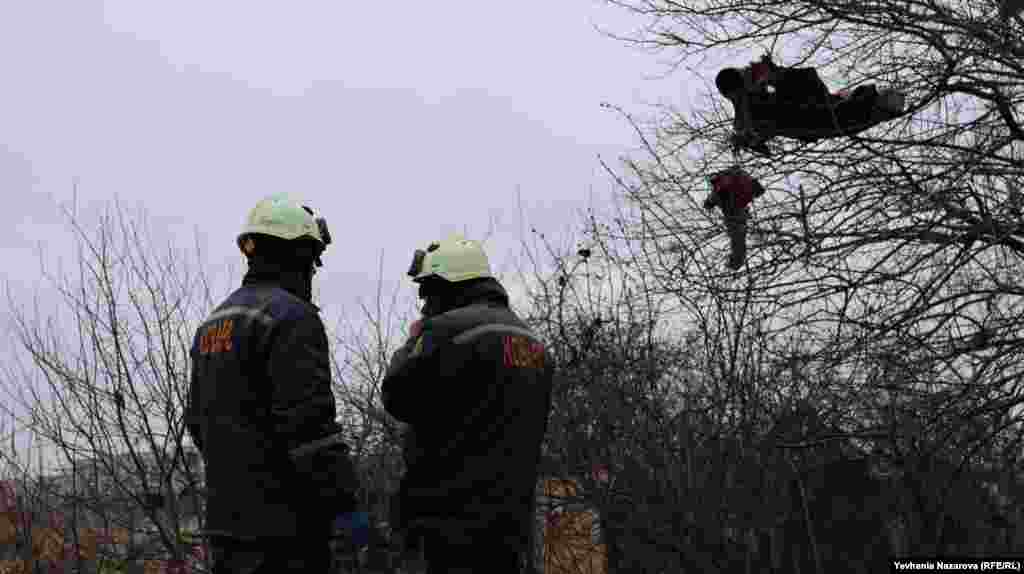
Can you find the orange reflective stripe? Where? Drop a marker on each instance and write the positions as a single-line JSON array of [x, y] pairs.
[[522, 352], [216, 338]]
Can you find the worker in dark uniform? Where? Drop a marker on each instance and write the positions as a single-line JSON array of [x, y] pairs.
[[474, 384], [260, 408], [771, 100]]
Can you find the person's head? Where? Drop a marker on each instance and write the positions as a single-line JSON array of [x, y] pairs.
[[729, 81], [281, 234], [444, 268], [723, 180]]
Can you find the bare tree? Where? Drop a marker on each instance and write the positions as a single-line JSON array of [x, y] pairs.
[[361, 351], [882, 287], [104, 386]]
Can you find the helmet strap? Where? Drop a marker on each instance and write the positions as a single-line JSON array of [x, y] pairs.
[[432, 305], [440, 296]]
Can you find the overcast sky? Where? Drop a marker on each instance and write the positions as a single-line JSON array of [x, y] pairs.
[[397, 124]]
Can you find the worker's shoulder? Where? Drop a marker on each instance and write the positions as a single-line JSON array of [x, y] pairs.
[[266, 304], [472, 322]]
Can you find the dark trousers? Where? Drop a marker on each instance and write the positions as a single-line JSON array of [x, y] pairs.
[[736, 227], [232, 556]]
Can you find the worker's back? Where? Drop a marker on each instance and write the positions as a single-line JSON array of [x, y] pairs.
[[234, 413], [478, 418]]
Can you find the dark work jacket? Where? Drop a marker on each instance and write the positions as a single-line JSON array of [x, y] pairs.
[[475, 386], [261, 386], [732, 191], [802, 108]]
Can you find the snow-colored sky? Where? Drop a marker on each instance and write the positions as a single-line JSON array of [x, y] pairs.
[[399, 123]]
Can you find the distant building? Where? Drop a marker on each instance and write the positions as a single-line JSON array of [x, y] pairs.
[[114, 503]]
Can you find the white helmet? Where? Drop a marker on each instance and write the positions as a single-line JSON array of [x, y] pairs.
[[284, 217], [453, 259]]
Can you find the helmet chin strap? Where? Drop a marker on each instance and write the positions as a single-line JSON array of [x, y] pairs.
[[296, 279], [432, 291], [432, 306]]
